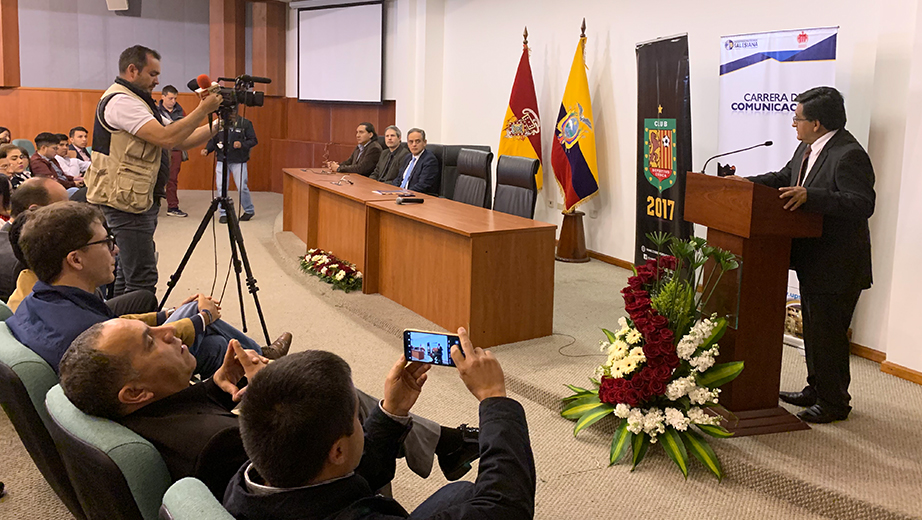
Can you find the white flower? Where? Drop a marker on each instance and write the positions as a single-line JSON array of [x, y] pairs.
[[637, 352], [653, 423], [680, 387], [634, 336], [676, 419], [323, 270], [622, 321], [622, 410], [603, 346], [702, 395], [635, 421], [699, 416], [340, 275], [316, 257], [702, 362], [358, 274]]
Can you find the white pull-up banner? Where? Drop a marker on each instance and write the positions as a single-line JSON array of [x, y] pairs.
[[760, 77]]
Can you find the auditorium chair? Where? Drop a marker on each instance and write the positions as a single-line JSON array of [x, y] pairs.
[[27, 144], [475, 180], [190, 499], [516, 191], [5, 311], [116, 473], [448, 163], [437, 150], [24, 380]]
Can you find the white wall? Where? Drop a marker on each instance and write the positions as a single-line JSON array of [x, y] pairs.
[[458, 86]]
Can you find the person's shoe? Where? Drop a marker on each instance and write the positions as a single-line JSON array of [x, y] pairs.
[[804, 399], [279, 347], [176, 212], [457, 462], [821, 414], [246, 216], [223, 219]]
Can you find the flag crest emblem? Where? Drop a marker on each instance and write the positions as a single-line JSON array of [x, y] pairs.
[[660, 153]]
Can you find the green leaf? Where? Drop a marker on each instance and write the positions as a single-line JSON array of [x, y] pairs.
[[715, 430], [619, 442], [639, 444], [577, 408], [581, 395], [610, 335], [591, 417], [674, 447], [720, 374], [716, 334], [699, 447]]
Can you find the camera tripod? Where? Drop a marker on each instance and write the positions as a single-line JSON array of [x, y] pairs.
[[234, 233]]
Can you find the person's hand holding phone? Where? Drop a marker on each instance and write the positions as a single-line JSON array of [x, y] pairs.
[[478, 368], [403, 385]]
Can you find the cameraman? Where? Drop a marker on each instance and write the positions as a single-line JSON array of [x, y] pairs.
[[131, 161], [240, 138]]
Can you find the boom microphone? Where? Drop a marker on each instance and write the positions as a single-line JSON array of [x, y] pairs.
[[246, 78], [766, 143]]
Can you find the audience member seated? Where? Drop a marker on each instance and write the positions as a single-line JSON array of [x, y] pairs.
[[419, 170], [311, 395], [6, 137], [6, 192], [17, 159], [31, 194], [71, 166], [43, 164], [78, 142], [388, 166], [366, 154], [139, 375], [72, 254]]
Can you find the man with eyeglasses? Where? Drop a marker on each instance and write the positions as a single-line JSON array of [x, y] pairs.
[[830, 173], [72, 253]]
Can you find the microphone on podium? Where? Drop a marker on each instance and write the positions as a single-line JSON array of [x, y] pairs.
[[766, 143]]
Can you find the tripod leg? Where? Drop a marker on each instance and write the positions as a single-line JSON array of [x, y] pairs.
[[174, 278], [251, 281], [233, 230]]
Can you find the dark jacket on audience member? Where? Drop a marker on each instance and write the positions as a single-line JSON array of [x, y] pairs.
[[388, 167], [505, 485], [42, 167], [362, 161], [195, 432], [242, 131], [425, 177], [82, 153], [9, 265]]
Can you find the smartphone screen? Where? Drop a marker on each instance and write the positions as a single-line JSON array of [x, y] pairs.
[[429, 347]]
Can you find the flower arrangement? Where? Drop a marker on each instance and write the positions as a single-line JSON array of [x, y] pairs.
[[339, 273], [660, 374]]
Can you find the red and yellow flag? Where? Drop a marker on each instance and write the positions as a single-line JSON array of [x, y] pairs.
[[573, 155], [521, 135]]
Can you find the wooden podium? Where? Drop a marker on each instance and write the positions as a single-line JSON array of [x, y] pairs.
[[750, 221]]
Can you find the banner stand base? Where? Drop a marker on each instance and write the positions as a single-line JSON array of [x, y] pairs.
[[572, 244]]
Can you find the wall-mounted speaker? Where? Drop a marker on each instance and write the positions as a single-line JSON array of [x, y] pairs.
[[117, 5]]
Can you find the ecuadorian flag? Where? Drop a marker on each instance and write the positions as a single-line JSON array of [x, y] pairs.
[[521, 134], [573, 156]]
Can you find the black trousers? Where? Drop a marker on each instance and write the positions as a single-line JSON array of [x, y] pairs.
[[826, 321], [134, 302]]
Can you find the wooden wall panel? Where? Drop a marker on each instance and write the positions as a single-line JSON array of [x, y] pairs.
[[9, 43], [346, 119], [309, 121], [288, 154], [269, 29], [227, 38]]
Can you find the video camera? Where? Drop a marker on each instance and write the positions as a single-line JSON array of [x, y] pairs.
[[239, 94]]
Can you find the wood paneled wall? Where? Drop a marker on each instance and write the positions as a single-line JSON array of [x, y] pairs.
[[292, 134]]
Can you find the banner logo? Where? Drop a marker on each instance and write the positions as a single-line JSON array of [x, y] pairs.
[[573, 126], [802, 38], [521, 128], [751, 43], [659, 164]]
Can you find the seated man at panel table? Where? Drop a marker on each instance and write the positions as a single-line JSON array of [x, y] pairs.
[[72, 253], [311, 394], [419, 171], [366, 153], [388, 166], [31, 194], [139, 376]]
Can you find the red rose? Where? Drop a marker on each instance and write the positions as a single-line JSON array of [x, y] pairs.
[[662, 373], [671, 359], [640, 293], [667, 262], [635, 282], [667, 335], [659, 321], [658, 387], [628, 298]]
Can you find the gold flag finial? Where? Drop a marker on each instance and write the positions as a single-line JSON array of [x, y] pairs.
[[583, 29], [525, 36]]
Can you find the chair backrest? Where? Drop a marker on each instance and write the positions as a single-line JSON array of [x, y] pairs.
[[437, 150], [382, 142], [25, 378], [190, 499], [449, 162], [5, 311], [27, 144], [116, 473], [475, 180], [516, 191]]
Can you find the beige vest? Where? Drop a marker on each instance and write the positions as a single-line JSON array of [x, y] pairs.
[[125, 178]]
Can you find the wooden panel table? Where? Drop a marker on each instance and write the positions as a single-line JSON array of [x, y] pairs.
[[327, 215], [461, 265]]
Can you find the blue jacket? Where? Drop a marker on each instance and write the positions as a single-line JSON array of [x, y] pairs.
[[425, 177]]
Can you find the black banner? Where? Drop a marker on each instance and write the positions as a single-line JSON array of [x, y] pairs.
[[664, 152]]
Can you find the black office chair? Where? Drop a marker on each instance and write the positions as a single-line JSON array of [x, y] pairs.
[[25, 378], [475, 180], [516, 191], [449, 163]]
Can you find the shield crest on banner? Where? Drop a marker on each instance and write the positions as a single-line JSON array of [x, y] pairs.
[[659, 163]]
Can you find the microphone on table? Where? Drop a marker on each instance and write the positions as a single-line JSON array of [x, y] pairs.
[[766, 143]]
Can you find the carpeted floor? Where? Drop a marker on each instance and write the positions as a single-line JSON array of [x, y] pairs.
[[868, 467]]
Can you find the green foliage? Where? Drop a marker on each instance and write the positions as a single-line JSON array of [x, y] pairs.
[[674, 300], [698, 447], [619, 442], [715, 430], [592, 416], [672, 443], [639, 444], [719, 374]]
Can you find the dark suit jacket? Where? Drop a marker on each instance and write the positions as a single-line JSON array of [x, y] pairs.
[[9, 265], [195, 432], [840, 186], [42, 167], [426, 176], [388, 167], [82, 153], [364, 164]]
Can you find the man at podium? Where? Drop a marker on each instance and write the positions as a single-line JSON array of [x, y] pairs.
[[831, 174]]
